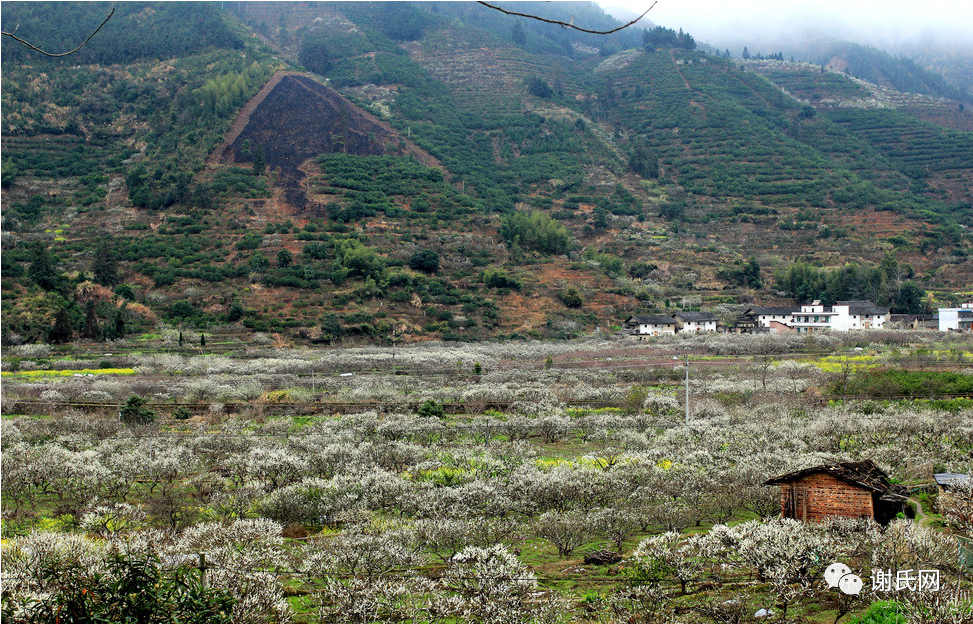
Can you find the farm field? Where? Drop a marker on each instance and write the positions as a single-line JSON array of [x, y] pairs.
[[502, 482]]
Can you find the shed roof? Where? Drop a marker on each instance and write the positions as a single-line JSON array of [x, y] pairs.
[[949, 479], [864, 474]]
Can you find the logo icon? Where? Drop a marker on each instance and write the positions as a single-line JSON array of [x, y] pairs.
[[839, 575], [850, 584]]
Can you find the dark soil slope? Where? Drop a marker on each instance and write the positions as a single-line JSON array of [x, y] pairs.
[[295, 118]]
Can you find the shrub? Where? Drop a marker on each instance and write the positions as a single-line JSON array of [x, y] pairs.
[[571, 297], [134, 412], [535, 230], [498, 278], [424, 260], [431, 409], [881, 612], [133, 590]]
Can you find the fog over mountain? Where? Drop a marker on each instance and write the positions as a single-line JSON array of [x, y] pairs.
[[927, 32], [887, 25]]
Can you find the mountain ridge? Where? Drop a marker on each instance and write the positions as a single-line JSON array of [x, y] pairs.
[[664, 170]]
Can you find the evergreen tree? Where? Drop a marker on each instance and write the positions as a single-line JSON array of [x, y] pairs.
[[202, 340], [119, 332], [644, 162], [424, 260], [62, 331], [751, 274], [518, 34], [537, 87], [910, 298], [92, 330], [259, 160], [105, 266], [331, 327], [134, 412], [236, 311], [43, 270]]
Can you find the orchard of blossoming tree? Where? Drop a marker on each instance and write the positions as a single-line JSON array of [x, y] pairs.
[[505, 482]]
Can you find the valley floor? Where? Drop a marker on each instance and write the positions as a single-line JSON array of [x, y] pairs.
[[515, 481]]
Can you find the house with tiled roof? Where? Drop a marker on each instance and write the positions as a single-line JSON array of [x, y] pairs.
[[695, 322], [642, 325], [859, 315], [767, 315]]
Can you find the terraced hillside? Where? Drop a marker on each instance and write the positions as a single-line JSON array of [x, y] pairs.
[[443, 175]]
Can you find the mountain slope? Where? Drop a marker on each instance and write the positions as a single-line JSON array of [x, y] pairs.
[[293, 119], [456, 181]]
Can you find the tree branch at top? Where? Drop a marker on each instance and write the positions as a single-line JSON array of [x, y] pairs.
[[35, 48], [569, 24]]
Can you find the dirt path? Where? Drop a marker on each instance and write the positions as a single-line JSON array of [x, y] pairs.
[[672, 55], [920, 512]]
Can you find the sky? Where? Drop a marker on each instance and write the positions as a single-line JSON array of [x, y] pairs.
[[886, 24]]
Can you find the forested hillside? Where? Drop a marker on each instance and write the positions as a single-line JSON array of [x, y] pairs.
[[442, 170]]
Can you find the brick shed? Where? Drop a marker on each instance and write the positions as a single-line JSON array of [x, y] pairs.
[[846, 490]]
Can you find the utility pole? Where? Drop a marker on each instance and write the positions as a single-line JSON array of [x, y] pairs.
[[687, 390]]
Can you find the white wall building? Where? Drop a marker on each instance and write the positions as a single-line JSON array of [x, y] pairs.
[[956, 319], [695, 322], [813, 317], [650, 325], [842, 316], [859, 315], [766, 316]]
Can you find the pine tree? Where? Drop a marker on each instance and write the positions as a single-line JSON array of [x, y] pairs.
[[259, 160], [134, 412], [119, 325], [518, 34], [105, 266], [42, 268], [62, 331], [92, 331]]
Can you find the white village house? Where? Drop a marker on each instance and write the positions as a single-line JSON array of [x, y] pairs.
[[766, 316], [842, 316], [956, 319], [649, 325], [695, 322]]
